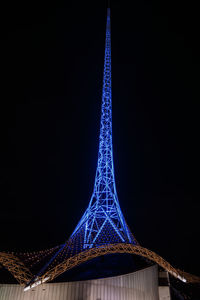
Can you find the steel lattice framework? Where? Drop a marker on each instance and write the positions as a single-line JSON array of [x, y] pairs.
[[103, 215], [102, 229], [23, 274]]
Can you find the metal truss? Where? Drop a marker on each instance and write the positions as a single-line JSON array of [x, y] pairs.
[[16, 267], [103, 215], [118, 248], [23, 275], [102, 230]]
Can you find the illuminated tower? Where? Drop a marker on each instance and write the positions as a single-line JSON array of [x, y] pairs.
[[103, 221], [102, 229]]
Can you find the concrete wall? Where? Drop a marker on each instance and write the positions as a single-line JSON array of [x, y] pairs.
[[164, 293], [140, 285], [164, 286]]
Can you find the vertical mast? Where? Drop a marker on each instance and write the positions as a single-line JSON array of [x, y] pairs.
[[104, 186], [103, 221]]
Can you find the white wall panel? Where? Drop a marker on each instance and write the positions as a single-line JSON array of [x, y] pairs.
[[140, 285]]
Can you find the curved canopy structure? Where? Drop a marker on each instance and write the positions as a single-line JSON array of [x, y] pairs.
[[24, 276]]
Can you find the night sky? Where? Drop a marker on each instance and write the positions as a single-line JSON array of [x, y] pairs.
[[51, 80]]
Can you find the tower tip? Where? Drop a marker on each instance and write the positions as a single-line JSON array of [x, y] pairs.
[[108, 9]]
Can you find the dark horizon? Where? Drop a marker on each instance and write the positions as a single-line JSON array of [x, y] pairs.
[[51, 75]]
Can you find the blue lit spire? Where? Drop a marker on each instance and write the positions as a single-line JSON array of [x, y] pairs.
[[102, 229], [103, 221]]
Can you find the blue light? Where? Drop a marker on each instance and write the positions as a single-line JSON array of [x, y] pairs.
[[103, 216], [103, 222]]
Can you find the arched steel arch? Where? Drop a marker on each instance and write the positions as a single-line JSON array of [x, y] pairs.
[[23, 275], [16, 267], [118, 248]]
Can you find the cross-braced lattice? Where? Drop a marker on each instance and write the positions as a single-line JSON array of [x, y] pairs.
[[103, 221], [102, 229]]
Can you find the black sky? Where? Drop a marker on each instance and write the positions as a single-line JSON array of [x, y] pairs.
[[51, 78]]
